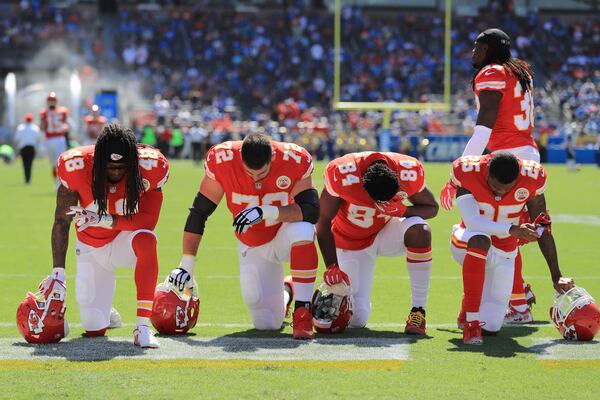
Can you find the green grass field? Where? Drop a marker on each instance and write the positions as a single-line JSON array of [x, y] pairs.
[[526, 362]]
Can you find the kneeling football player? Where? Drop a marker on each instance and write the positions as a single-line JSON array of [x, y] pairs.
[[492, 192], [117, 185], [363, 216]]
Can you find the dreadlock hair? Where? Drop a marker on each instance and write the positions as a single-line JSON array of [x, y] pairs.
[[380, 182], [500, 54], [256, 150], [116, 136], [504, 167]]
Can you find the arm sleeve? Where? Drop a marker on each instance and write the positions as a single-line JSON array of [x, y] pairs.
[[147, 217], [477, 143], [469, 210]]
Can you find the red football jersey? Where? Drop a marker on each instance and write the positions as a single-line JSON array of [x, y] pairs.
[[290, 163], [471, 173], [74, 169], [358, 220], [94, 126], [514, 122], [55, 121]]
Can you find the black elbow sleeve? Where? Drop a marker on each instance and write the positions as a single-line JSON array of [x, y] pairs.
[[202, 208], [308, 201]]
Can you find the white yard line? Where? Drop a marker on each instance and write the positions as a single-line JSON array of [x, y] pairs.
[[559, 349], [217, 348]]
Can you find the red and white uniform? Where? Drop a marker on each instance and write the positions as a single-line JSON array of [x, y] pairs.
[[55, 126], [75, 173], [290, 163], [100, 250], [515, 119], [94, 127], [471, 173], [359, 221], [265, 246], [362, 232]]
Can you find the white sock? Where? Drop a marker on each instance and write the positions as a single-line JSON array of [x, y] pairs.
[[419, 282], [472, 316], [303, 291], [143, 321]]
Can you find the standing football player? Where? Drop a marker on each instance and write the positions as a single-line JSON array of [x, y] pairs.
[[503, 90], [117, 185], [53, 122], [271, 195], [492, 193], [93, 124], [363, 216]]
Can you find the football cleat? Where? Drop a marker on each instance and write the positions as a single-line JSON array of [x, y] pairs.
[[575, 314], [302, 324], [331, 308], [415, 323], [472, 333], [174, 311], [514, 317], [115, 319], [143, 337], [287, 281]]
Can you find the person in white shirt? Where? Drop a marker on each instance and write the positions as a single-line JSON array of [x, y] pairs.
[[27, 138]]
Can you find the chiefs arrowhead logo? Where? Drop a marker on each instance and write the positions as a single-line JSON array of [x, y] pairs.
[[283, 182], [35, 323], [521, 194], [181, 318]]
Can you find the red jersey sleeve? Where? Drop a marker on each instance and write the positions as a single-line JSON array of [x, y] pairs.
[[411, 175], [216, 156], [154, 168], [462, 168], [71, 169], [301, 160], [492, 77], [536, 176]]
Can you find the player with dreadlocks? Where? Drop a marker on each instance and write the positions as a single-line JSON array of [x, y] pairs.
[[113, 192], [503, 89]]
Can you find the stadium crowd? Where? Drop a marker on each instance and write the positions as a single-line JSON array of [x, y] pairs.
[[217, 73]]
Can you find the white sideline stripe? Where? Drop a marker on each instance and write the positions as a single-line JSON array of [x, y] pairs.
[[580, 219], [219, 348], [250, 326], [560, 349]]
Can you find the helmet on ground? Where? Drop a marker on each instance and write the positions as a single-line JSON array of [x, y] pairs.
[[575, 314], [332, 308], [41, 316], [174, 311]]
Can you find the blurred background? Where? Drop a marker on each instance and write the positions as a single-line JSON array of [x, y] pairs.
[[189, 74]]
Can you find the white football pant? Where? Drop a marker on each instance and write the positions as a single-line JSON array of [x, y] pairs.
[[360, 264], [55, 146], [499, 274], [529, 153], [261, 273], [95, 278]]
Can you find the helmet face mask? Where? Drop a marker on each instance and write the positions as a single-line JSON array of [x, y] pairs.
[[332, 308], [174, 311], [575, 314]]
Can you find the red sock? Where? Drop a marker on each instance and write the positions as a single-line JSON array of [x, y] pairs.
[[473, 278], [303, 266], [518, 291], [146, 272]]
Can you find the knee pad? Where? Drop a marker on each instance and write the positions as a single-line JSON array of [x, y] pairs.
[[85, 291], [250, 284], [301, 232], [361, 310]]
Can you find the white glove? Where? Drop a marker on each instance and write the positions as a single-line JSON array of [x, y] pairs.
[[54, 284], [183, 274], [254, 215], [85, 218]]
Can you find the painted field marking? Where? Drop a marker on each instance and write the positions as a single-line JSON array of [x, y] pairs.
[[580, 219], [560, 349], [218, 348]]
